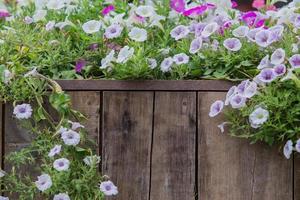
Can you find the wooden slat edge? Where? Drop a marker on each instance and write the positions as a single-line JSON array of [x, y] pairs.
[[153, 85]]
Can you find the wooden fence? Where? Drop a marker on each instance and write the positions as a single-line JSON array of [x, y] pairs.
[[158, 143]]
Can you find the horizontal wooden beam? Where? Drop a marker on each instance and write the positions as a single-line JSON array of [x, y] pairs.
[[153, 85]]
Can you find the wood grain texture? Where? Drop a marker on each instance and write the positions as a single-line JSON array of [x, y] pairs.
[[231, 169], [296, 176], [174, 144], [88, 103], [127, 130], [151, 85]]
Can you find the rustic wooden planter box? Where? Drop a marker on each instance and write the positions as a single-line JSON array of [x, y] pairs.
[[158, 143]]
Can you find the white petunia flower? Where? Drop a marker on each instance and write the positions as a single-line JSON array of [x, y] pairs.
[[89, 160], [39, 15], [278, 56], [4, 198], [181, 58], [145, 11], [70, 137], [180, 32], [91, 26], [216, 108], [108, 188], [209, 29], [138, 34], [40, 4], [231, 92], [55, 4], [28, 20], [113, 31], [106, 62], [50, 25], [7, 76], [297, 146], [23, 111], [61, 196], [61, 164], [232, 44], [54, 151], [125, 54], [196, 45], [166, 64], [264, 63], [62, 25], [75, 125], [222, 126], [152, 63], [288, 149], [258, 117], [44, 182], [241, 31], [237, 101]]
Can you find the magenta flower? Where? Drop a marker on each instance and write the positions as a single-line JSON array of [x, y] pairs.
[[178, 5], [80, 64], [93, 47], [107, 10], [295, 61], [280, 70], [249, 18], [4, 13], [258, 4], [266, 75], [234, 4], [216, 108], [232, 44], [195, 11]]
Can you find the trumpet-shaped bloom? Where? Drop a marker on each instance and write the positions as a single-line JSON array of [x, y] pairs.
[[152, 63], [61, 196], [232, 44], [138, 34], [125, 54], [247, 89], [50, 25], [180, 32], [90, 160], [61, 164], [262, 38], [178, 5], [216, 108], [54, 151], [288, 149], [108, 9], [91, 26], [145, 11], [106, 62], [295, 61], [44, 182], [166, 64], [196, 45], [258, 117], [55, 4], [264, 63], [113, 31], [70, 137], [237, 101], [210, 29], [266, 75], [278, 56], [280, 70], [297, 146], [181, 58], [23, 111], [108, 188], [241, 31]]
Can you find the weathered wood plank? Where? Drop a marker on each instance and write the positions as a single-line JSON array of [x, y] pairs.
[[88, 103], [127, 129], [296, 176], [231, 169], [153, 85], [174, 145]]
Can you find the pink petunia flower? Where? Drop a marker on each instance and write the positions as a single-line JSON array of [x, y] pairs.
[[107, 10], [4, 13], [178, 5], [258, 4], [195, 11], [234, 4]]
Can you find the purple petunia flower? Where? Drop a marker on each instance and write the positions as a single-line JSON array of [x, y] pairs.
[[113, 31], [247, 89], [232, 44], [278, 56], [297, 146], [237, 101], [210, 29], [93, 47], [181, 58], [266, 75], [61, 164], [196, 45], [107, 10], [295, 61], [241, 31], [262, 38], [195, 11], [216, 108], [288, 149], [276, 33], [198, 28], [178, 5], [108, 188], [166, 64], [80, 64], [54, 151], [231, 92], [279, 70], [23, 111], [264, 63], [252, 33], [180, 32]]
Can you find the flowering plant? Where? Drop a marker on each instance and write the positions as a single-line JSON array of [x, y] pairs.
[[42, 40]]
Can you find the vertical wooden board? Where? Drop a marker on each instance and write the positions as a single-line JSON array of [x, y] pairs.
[[296, 176], [88, 103], [232, 169], [126, 147], [174, 146], [1, 136]]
